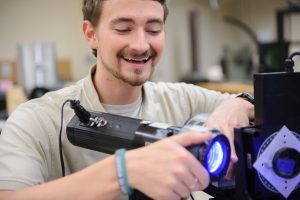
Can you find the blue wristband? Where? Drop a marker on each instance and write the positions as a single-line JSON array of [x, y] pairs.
[[120, 165]]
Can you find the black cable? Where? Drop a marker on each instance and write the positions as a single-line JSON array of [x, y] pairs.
[[289, 63], [192, 197], [82, 114], [294, 54], [60, 142], [84, 117]]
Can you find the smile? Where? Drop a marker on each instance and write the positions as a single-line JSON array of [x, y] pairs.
[[137, 60]]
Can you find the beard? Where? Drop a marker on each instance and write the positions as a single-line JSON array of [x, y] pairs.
[[132, 81]]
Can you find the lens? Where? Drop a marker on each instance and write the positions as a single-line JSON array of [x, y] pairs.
[[213, 154], [217, 157], [286, 162]]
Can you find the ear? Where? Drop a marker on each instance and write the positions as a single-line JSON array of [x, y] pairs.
[[89, 34]]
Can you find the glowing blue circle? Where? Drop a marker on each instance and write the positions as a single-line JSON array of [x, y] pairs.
[[215, 157]]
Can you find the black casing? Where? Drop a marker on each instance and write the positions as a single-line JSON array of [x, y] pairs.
[[277, 103], [118, 133]]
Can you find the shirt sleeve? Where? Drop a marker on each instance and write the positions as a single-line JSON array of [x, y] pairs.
[[24, 150], [202, 100], [175, 103]]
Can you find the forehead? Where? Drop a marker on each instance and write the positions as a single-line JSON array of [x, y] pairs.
[[137, 10]]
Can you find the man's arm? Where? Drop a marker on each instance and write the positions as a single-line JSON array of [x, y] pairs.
[[162, 170], [95, 182], [232, 113], [4, 194]]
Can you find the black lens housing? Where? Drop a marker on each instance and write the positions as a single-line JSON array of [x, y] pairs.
[[286, 162], [202, 153]]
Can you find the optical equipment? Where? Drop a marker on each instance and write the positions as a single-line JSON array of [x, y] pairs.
[[214, 154], [269, 149], [106, 133], [286, 163]]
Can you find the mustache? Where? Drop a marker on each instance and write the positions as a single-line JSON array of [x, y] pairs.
[[133, 54]]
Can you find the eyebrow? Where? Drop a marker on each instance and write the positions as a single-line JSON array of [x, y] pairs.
[[155, 21], [129, 20]]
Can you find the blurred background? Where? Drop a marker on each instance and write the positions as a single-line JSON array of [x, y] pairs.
[[218, 44]]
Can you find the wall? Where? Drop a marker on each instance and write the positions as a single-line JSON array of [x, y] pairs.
[[59, 21], [177, 57], [215, 33]]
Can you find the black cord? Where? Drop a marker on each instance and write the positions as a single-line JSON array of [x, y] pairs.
[[294, 54], [84, 117], [192, 197], [289, 63], [82, 114], [60, 142]]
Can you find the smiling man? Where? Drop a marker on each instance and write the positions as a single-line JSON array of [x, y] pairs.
[[129, 44], [127, 37]]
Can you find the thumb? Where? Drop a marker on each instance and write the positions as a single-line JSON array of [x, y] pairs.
[[190, 138]]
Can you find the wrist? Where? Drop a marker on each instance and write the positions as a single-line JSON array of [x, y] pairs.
[[133, 160], [121, 171], [248, 100], [247, 97]]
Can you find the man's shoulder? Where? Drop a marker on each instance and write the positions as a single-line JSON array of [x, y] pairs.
[[52, 100], [60, 95], [70, 91], [168, 86], [170, 102], [176, 90]]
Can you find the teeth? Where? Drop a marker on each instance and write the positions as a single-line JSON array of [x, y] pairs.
[[137, 59]]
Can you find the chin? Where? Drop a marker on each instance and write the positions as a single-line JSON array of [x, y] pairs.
[[138, 81]]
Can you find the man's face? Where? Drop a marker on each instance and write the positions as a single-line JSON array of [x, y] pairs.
[[130, 39]]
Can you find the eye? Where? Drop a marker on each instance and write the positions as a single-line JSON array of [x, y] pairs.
[[125, 30], [154, 28], [154, 32]]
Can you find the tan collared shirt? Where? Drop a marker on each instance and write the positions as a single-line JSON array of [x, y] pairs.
[[29, 148]]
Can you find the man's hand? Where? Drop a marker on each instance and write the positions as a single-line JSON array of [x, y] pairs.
[[233, 113], [165, 169]]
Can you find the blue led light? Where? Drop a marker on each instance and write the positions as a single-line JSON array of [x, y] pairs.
[[286, 162], [215, 157], [286, 166]]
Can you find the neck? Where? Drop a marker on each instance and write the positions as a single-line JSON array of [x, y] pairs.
[[114, 91]]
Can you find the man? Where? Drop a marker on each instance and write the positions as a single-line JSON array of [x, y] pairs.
[[127, 37]]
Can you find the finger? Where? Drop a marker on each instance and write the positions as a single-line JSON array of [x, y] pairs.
[[194, 165], [197, 186], [171, 195], [202, 177], [229, 134], [163, 194], [196, 169], [194, 184], [197, 174], [183, 190], [190, 181], [230, 172], [233, 157], [190, 138]]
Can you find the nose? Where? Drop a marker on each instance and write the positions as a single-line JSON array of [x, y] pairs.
[[139, 42]]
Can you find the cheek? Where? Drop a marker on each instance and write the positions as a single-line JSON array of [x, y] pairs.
[[111, 46], [158, 46], [158, 43], [110, 43], [117, 44]]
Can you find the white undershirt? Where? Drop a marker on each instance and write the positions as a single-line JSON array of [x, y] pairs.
[[129, 110]]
